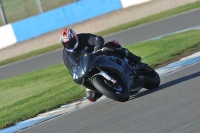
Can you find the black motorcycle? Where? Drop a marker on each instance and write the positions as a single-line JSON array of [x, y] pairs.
[[114, 77]]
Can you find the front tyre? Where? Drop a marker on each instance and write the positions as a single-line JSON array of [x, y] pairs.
[[105, 87]]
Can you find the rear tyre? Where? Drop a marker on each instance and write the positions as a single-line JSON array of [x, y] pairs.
[[103, 86], [152, 78]]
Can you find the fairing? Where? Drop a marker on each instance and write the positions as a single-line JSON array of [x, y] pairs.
[[83, 63]]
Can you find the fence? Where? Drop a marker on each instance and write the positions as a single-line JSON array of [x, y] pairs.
[[14, 10]]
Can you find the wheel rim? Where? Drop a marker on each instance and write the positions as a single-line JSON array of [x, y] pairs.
[[101, 85], [116, 87]]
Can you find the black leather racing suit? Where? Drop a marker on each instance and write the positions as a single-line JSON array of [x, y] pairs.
[[94, 42]]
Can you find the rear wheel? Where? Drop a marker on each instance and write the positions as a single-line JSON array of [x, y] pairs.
[[152, 78], [113, 91]]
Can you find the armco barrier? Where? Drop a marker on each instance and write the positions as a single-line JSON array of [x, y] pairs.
[[58, 18]]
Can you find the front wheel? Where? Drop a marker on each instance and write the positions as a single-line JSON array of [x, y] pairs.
[[115, 92], [152, 78]]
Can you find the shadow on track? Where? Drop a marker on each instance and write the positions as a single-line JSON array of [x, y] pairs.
[[165, 85]]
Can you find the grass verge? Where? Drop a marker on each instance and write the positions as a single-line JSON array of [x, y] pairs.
[[30, 94], [112, 30]]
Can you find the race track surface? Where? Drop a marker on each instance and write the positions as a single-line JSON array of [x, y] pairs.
[[137, 34], [172, 108]]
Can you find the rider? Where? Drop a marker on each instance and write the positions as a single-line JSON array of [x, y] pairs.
[[73, 42]]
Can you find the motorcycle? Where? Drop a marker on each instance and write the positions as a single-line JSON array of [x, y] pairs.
[[113, 76]]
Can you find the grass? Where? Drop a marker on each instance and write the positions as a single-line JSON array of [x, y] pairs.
[[30, 94], [112, 30], [160, 51], [25, 96], [43, 90]]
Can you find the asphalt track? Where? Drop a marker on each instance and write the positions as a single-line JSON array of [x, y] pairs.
[[137, 34], [172, 108]]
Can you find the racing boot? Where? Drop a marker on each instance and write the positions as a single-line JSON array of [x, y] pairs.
[[138, 80], [123, 52], [133, 58], [92, 96]]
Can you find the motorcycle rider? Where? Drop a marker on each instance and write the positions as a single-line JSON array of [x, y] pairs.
[[73, 42]]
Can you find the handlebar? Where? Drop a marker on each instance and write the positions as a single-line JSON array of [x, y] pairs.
[[103, 50]]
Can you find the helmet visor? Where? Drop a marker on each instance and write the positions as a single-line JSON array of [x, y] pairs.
[[70, 44]]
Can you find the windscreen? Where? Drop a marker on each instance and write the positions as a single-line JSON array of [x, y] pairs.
[[75, 58]]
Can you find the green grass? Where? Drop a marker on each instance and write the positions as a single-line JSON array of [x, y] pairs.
[[112, 30], [30, 94], [27, 95], [160, 51]]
